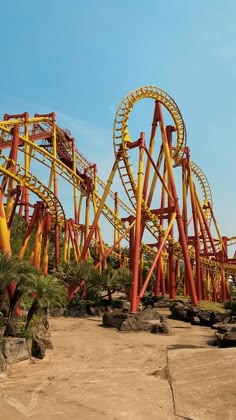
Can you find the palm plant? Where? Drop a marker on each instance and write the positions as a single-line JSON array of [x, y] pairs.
[[45, 291], [10, 271], [25, 274]]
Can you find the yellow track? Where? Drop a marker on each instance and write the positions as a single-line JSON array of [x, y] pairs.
[[120, 139], [46, 158], [121, 133], [28, 180], [205, 186]]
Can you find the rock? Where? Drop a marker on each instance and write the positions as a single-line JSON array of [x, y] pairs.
[[205, 318], [147, 320], [133, 323], [3, 365], [10, 329], [40, 341], [140, 321], [227, 340], [227, 320], [56, 312], [165, 328], [149, 313], [181, 315], [127, 305], [196, 320], [218, 324], [156, 328], [217, 317], [179, 310], [95, 310], [192, 313], [194, 310], [162, 327], [114, 318], [219, 338], [162, 304], [77, 311], [14, 349], [174, 306], [38, 350], [225, 328]]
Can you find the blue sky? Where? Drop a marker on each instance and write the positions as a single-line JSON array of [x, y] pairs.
[[80, 58]]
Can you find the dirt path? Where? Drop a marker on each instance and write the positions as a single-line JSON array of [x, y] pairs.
[[98, 373]]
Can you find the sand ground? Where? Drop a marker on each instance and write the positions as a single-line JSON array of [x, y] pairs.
[[98, 373]]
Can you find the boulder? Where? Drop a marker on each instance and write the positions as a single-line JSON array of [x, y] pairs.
[[165, 327], [133, 323], [156, 328], [196, 320], [181, 314], [217, 317], [162, 304], [226, 340], [225, 328], [56, 312], [14, 349], [40, 341], [148, 313], [77, 311], [194, 310], [10, 329], [38, 350], [3, 365], [125, 321], [94, 310], [205, 318], [127, 305], [179, 310], [114, 318]]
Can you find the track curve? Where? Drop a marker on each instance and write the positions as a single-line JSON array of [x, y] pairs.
[[28, 180]]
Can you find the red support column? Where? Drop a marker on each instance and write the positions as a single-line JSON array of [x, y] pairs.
[[179, 220], [27, 167], [135, 299], [163, 285], [196, 233], [171, 267]]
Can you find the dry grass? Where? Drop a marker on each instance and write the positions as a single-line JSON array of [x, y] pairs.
[[212, 306], [206, 305]]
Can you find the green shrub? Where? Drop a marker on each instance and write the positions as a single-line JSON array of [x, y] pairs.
[[230, 305]]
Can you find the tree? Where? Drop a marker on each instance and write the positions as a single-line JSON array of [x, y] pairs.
[[116, 280], [78, 277]]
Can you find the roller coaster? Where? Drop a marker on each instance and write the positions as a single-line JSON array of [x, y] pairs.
[[169, 220]]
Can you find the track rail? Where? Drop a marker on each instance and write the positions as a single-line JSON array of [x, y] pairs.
[[121, 136], [120, 139], [28, 180]]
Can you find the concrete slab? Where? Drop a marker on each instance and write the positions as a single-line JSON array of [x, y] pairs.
[[203, 383]]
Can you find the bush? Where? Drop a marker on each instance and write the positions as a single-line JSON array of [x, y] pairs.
[[93, 294], [230, 305]]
